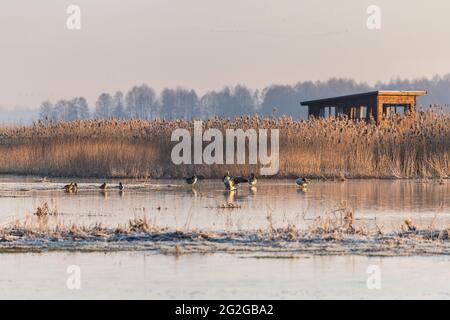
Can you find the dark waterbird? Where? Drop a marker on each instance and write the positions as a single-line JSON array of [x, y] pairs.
[[252, 180], [302, 182], [231, 182], [191, 180], [69, 187], [239, 179]]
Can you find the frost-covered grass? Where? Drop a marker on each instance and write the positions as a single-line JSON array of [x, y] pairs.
[[328, 235]]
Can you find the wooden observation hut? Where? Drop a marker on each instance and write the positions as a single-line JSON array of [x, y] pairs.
[[376, 105]]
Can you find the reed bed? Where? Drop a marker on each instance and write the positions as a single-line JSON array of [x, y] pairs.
[[319, 148]]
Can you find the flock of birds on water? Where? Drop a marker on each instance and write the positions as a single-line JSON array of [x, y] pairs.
[[73, 187], [230, 182]]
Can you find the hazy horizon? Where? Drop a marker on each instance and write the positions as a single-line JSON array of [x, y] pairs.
[[205, 45], [93, 99]]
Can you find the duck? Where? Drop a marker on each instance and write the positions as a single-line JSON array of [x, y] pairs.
[[227, 175], [121, 187], [103, 186], [238, 179], [229, 183], [252, 180], [191, 180], [68, 187], [75, 187], [301, 182]]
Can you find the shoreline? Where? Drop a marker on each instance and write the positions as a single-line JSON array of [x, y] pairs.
[[277, 243], [274, 177]]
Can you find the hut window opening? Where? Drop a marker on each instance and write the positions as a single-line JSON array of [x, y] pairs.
[[390, 109]]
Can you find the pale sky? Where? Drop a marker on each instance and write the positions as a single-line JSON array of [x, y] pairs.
[[207, 44]]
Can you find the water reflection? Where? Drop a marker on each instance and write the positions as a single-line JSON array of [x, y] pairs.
[[139, 275], [104, 193], [386, 202], [229, 196]]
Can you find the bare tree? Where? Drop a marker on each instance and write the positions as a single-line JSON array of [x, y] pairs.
[[104, 107], [142, 103], [118, 105], [179, 104], [45, 111]]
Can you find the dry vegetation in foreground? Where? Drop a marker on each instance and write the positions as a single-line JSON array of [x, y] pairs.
[[403, 148], [332, 234]]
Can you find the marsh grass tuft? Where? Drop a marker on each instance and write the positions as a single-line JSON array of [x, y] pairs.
[[410, 226], [43, 210]]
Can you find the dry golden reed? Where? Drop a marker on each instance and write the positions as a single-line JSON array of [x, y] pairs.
[[331, 148]]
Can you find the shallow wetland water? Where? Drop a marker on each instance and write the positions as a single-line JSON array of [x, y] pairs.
[[171, 203]]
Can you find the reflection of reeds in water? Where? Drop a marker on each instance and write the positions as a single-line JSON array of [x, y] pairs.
[[319, 148], [390, 195]]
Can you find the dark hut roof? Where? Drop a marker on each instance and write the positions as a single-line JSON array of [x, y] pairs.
[[346, 98]]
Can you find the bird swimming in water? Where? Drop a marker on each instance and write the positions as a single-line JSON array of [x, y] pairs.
[[121, 187], [238, 180], [69, 187], [252, 180], [231, 182], [103, 186], [191, 180], [228, 182], [302, 182]]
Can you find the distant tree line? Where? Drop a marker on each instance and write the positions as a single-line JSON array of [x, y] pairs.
[[142, 102]]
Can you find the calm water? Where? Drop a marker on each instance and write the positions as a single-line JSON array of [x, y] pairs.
[[221, 276], [173, 204], [217, 276]]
